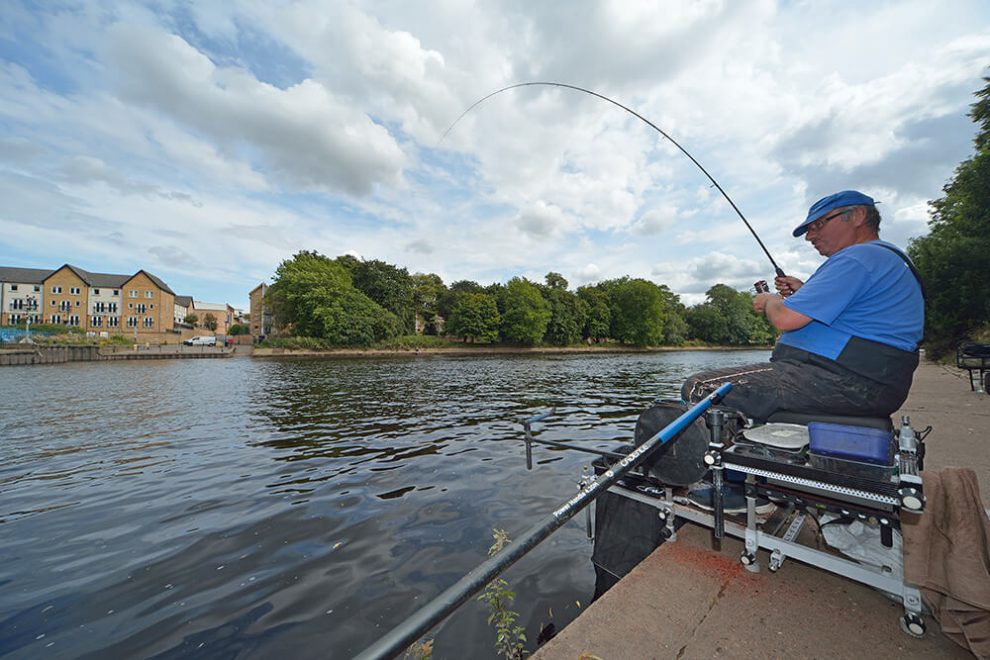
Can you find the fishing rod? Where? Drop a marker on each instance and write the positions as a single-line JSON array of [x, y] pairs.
[[776, 268]]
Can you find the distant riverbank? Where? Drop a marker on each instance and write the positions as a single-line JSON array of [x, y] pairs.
[[487, 350]]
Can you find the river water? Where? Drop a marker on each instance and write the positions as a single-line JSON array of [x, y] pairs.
[[257, 508]]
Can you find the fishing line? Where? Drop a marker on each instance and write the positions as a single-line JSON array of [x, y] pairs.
[[777, 269]]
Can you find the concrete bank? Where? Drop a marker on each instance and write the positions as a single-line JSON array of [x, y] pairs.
[[687, 600], [62, 354]]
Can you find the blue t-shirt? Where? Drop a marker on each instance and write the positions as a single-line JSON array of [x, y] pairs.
[[865, 291]]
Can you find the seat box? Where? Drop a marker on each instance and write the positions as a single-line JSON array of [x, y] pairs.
[[855, 443]]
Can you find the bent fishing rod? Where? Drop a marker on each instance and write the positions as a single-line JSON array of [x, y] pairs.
[[776, 268]]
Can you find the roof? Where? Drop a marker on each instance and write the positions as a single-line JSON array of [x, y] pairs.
[[106, 280], [158, 282], [24, 275], [184, 301], [213, 307], [261, 286]]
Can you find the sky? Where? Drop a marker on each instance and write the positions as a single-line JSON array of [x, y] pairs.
[[206, 142]]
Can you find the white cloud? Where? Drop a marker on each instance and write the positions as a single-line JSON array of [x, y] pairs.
[[303, 135]]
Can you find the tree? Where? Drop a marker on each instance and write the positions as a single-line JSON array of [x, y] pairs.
[[239, 329], [727, 317], [449, 298], [475, 317], [675, 328], [353, 319], [599, 316], [389, 286], [526, 312], [556, 281], [315, 296], [637, 311], [568, 314], [191, 319], [210, 322], [427, 291], [304, 284], [952, 258]]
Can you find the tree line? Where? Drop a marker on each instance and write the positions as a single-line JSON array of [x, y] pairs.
[[345, 301]]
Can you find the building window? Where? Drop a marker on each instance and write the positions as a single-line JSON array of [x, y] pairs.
[[113, 321], [96, 292], [112, 307], [56, 289], [132, 321], [65, 306], [56, 318], [149, 294], [37, 288], [74, 290], [149, 321], [53, 303], [97, 321], [17, 303], [13, 287], [73, 320], [141, 308], [116, 292], [77, 303], [15, 319], [152, 305], [132, 293]]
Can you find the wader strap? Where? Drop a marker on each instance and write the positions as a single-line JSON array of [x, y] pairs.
[[914, 271]]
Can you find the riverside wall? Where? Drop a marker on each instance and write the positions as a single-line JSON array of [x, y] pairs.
[[29, 355]]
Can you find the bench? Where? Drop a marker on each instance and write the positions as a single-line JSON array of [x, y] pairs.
[[975, 358]]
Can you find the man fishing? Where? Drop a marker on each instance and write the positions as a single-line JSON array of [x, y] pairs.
[[850, 333]]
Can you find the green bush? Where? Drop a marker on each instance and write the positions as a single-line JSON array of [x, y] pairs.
[[416, 341], [296, 343]]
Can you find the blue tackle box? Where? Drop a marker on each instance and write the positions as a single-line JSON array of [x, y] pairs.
[[853, 443]]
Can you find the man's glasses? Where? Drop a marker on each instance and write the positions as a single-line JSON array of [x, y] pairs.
[[821, 222]]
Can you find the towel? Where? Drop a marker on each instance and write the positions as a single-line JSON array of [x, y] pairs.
[[947, 555]]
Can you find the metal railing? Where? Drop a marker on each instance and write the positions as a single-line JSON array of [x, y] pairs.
[[410, 630]]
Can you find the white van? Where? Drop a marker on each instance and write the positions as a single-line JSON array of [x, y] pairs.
[[201, 341]]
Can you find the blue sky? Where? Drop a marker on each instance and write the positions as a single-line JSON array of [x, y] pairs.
[[207, 141]]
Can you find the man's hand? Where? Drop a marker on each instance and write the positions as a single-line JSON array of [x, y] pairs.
[[787, 285], [760, 301], [782, 317]]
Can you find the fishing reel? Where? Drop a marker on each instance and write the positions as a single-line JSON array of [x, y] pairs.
[[762, 286]]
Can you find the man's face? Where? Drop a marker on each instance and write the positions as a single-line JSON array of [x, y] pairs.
[[834, 230]]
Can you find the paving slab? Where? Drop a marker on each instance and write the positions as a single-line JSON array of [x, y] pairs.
[[688, 600]]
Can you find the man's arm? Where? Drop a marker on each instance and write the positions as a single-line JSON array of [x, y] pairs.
[[781, 316]]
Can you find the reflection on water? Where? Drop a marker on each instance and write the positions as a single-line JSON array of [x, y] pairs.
[[248, 508]]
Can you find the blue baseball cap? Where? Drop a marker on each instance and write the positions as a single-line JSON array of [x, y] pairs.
[[834, 201]]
